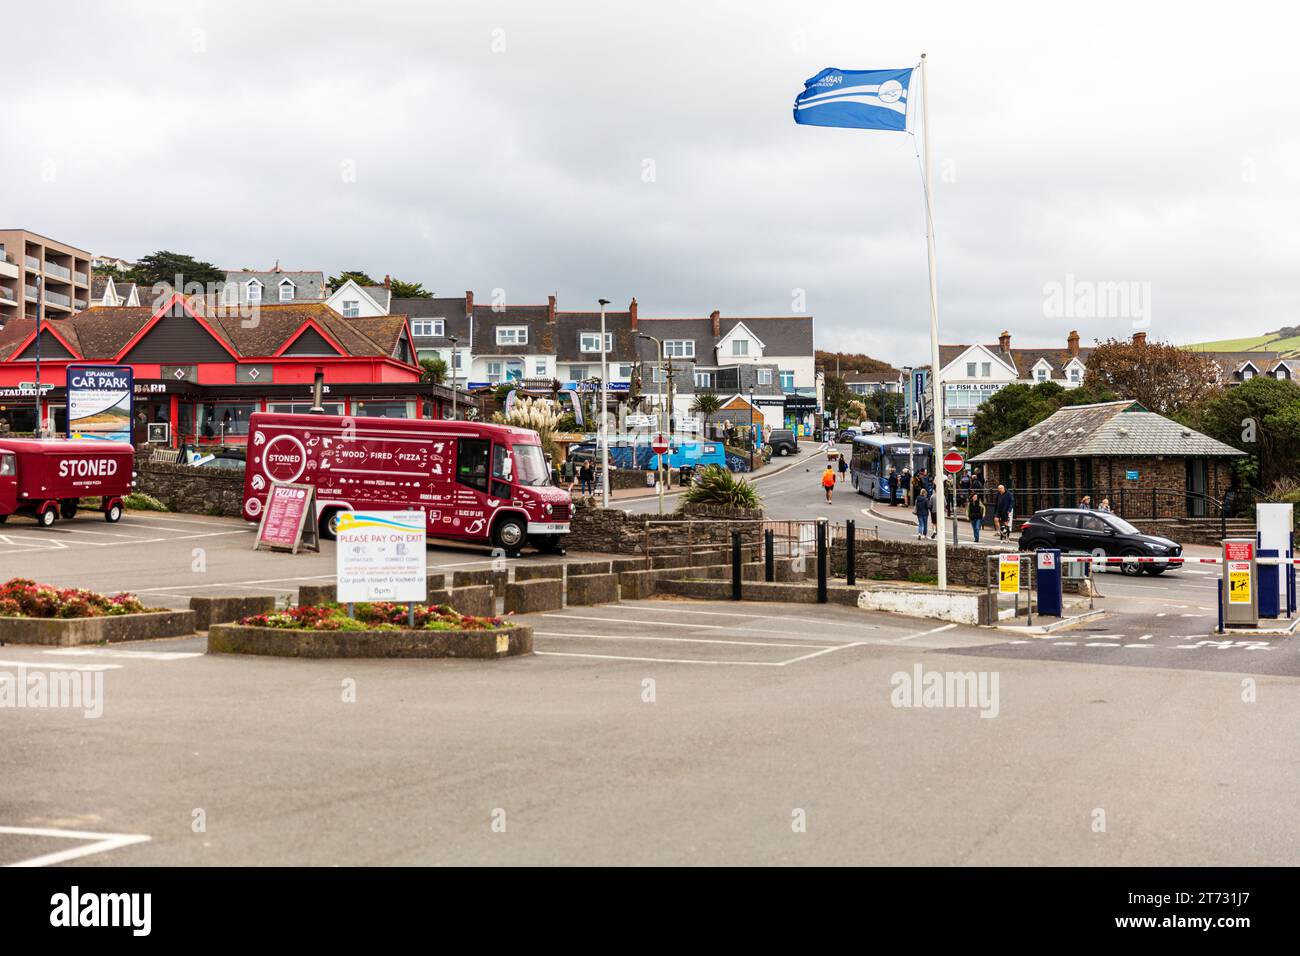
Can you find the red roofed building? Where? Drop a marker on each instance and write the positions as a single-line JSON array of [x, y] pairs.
[[203, 369]]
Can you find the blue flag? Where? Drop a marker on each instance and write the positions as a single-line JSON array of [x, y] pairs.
[[859, 99]]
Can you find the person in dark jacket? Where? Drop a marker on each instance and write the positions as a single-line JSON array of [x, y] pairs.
[[934, 514], [891, 485], [905, 486], [975, 511], [1006, 507], [922, 512]]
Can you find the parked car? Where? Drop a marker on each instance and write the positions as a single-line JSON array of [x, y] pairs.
[[1097, 532], [783, 442]]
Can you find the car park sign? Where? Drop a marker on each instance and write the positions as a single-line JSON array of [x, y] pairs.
[[99, 401]]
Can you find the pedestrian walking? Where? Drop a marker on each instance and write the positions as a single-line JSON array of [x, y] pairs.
[[934, 515], [1104, 506], [1006, 506], [922, 513], [844, 468], [1086, 502], [975, 511], [587, 478], [905, 485], [828, 481], [891, 486]]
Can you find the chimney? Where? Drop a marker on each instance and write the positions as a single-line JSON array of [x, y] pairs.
[[548, 334], [1139, 338], [1004, 341], [631, 311], [1072, 342], [469, 302], [716, 318], [388, 282], [550, 310]]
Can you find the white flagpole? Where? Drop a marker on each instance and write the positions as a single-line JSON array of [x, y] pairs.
[[937, 394]]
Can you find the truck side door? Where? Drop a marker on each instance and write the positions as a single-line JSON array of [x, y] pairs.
[[8, 482]]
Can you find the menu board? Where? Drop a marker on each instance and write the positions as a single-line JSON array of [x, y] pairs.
[[288, 518]]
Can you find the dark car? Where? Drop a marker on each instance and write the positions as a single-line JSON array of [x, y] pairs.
[[783, 442], [1097, 532]]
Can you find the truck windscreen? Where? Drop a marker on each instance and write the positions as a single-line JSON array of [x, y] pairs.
[[530, 465]]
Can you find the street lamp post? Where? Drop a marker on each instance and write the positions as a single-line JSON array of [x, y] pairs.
[[604, 427], [662, 413], [752, 439], [453, 340], [40, 297]]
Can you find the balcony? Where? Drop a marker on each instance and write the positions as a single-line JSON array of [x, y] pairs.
[[33, 263], [79, 304], [8, 295], [54, 269], [58, 298], [81, 278], [30, 291]]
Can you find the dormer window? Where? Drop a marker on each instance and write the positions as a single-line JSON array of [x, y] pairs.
[[254, 292], [286, 290], [740, 346], [1074, 374]]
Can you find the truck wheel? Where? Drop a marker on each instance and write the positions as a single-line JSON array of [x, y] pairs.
[[47, 517], [329, 524], [68, 509], [113, 514], [509, 533]]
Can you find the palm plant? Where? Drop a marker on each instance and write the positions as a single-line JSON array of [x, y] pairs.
[[706, 405], [715, 485]]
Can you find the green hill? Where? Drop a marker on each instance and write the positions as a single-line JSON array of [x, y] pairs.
[[1285, 340]]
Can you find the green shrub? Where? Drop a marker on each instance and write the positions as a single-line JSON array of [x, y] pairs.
[[139, 501], [716, 485]]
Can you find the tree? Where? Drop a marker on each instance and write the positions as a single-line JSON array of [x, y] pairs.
[[409, 290], [1164, 378], [434, 370], [850, 362], [1260, 417], [838, 395], [360, 278], [706, 405], [176, 270]]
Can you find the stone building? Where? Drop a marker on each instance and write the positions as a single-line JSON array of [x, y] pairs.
[[1148, 466]]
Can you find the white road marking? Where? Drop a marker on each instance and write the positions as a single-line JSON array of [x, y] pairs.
[[1100, 644], [1065, 644], [933, 630], [1145, 637], [655, 660], [102, 843], [629, 620], [750, 617], [679, 640], [138, 655]]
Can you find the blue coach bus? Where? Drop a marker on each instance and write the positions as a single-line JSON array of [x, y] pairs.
[[874, 456]]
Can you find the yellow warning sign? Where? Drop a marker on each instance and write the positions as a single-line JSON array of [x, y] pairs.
[[1009, 574], [1239, 582]]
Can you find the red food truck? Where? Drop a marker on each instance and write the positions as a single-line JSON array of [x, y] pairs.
[[46, 478], [474, 482]]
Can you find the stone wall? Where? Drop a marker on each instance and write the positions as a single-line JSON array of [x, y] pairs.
[[190, 489], [617, 532], [896, 560]]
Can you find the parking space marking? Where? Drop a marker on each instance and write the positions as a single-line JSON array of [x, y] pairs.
[[100, 843], [656, 660], [933, 630], [129, 655], [750, 617], [629, 620], [679, 640]]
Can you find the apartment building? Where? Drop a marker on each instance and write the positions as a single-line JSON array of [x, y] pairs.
[[64, 271]]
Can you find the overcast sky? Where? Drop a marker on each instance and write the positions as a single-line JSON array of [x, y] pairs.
[[619, 149]]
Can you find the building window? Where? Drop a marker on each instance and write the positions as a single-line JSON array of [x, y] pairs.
[[704, 380], [970, 369], [220, 420], [1074, 374], [658, 375], [539, 368], [986, 369], [383, 409], [303, 408], [254, 291], [764, 376], [351, 309], [286, 291], [512, 335], [431, 327], [590, 342], [494, 372], [1041, 374], [787, 381], [577, 372], [624, 370], [740, 346], [679, 348]]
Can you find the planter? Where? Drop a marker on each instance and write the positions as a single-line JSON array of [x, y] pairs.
[[71, 631], [285, 642]]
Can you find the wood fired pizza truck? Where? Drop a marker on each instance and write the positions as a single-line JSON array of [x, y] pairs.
[[46, 479], [475, 482]]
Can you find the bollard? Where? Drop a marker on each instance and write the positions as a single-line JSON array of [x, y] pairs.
[[821, 562], [769, 560], [737, 557], [1220, 605], [850, 554]]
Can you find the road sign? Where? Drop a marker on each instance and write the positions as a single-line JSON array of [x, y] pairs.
[[380, 556], [953, 462], [659, 445], [1009, 574]]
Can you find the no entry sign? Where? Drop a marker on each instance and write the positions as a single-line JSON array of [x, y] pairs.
[[659, 445], [953, 461]]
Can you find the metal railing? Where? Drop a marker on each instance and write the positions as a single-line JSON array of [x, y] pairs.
[[7, 294], [58, 298], [54, 269]]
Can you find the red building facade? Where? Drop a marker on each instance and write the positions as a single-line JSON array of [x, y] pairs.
[[203, 370]]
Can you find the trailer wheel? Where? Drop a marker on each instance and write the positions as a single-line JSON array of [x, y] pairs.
[[114, 513], [509, 533], [47, 517], [68, 509]]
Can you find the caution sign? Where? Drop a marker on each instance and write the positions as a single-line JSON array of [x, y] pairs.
[[1239, 582], [1009, 574]]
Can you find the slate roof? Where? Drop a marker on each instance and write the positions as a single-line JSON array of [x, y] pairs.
[[1021, 361], [1122, 428], [892, 375], [569, 327], [450, 309], [309, 286], [487, 321], [781, 335]]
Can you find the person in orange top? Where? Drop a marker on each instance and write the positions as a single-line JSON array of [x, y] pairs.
[[828, 482]]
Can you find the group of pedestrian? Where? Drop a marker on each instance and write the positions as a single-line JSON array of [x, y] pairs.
[[581, 473]]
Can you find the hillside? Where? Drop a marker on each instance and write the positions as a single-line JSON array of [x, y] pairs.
[[1285, 341], [850, 362]]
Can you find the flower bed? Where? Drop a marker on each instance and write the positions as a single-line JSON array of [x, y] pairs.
[[32, 613], [379, 616], [21, 597]]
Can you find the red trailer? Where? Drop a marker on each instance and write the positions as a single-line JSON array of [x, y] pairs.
[[46, 478], [474, 482]]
